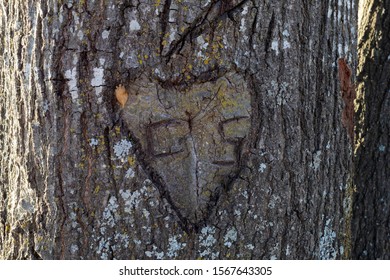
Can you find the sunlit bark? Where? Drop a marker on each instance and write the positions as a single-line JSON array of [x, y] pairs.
[[372, 173]]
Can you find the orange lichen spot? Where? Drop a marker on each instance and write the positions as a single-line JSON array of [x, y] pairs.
[[121, 95]]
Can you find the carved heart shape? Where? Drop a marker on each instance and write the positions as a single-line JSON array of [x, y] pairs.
[[191, 140]]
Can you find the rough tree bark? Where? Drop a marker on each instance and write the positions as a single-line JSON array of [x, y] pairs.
[[230, 145], [371, 225]]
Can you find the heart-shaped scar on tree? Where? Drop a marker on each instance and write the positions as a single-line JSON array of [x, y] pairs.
[[191, 140]]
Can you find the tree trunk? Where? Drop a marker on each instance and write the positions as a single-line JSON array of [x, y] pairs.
[[371, 225], [227, 144]]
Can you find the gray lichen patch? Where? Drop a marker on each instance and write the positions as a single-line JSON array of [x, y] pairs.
[[207, 242], [327, 250]]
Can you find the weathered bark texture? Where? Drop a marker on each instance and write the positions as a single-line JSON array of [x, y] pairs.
[[371, 225], [230, 145]]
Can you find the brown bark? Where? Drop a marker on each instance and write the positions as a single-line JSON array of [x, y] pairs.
[[83, 178]]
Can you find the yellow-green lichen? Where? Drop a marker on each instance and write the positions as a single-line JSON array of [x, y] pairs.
[[131, 161], [97, 190]]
